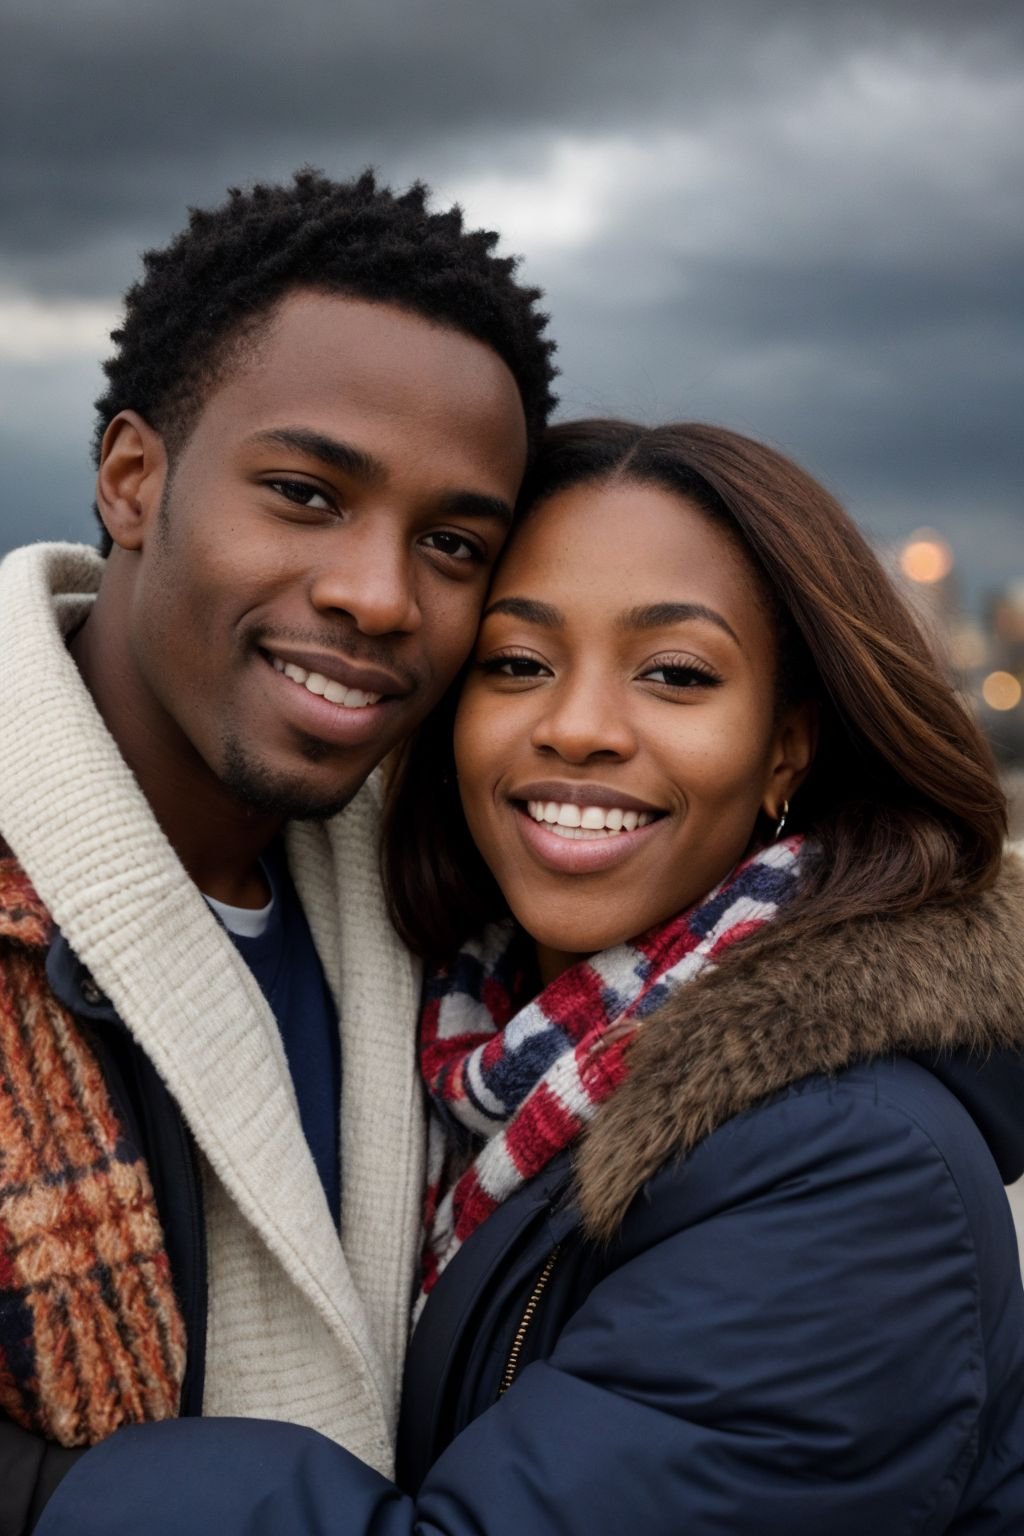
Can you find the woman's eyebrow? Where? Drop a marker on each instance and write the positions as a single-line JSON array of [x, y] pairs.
[[657, 615], [529, 609]]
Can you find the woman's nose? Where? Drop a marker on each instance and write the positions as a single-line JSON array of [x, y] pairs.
[[584, 719]]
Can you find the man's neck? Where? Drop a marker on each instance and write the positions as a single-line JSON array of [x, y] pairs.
[[218, 840]]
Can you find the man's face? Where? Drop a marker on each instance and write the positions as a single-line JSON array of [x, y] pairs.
[[313, 578]]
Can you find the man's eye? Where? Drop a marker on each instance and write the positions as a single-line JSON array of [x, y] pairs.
[[301, 494], [455, 545]]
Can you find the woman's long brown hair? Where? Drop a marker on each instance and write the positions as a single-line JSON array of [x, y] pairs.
[[903, 799]]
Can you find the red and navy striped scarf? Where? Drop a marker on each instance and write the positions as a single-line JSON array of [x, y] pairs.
[[511, 1086]]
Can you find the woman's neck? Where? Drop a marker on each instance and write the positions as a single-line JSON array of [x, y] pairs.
[[552, 962]]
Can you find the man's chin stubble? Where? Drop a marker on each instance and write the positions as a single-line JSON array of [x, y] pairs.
[[255, 786]]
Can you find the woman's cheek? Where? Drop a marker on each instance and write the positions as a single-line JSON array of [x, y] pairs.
[[476, 724], [465, 733]]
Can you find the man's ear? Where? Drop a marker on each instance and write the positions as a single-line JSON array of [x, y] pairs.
[[130, 482], [793, 748]]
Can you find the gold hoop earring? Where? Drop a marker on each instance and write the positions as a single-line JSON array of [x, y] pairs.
[[782, 820]]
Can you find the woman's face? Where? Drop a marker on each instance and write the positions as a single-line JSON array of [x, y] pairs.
[[618, 735]]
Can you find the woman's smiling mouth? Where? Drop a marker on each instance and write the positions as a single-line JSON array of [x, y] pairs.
[[577, 836], [572, 821]]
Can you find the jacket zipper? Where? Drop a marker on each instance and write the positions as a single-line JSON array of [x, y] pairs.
[[512, 1364]]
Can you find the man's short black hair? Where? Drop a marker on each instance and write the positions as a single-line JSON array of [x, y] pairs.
[[220, 276]]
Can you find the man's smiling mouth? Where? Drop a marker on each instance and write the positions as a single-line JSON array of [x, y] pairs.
[[329, 697], [325, 687], [334, 678]]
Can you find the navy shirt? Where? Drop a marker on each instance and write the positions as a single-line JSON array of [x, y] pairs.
[[285, 963]]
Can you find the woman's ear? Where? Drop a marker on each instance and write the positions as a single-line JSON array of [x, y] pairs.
[[130, 482], [793, 747]]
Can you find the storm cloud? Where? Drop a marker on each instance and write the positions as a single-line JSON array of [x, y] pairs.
[[805, 220]]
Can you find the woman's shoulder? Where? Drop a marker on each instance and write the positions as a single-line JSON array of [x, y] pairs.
[[867, 1204], [883, 1134], [807, 1023]]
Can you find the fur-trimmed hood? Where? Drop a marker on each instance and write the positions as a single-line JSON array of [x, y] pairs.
[[945, 978]]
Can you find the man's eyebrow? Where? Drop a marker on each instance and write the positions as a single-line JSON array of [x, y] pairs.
[[658, 615], [329, 450], [528, 609], [477, 504]]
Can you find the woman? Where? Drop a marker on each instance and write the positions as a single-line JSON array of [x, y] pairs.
[[725, 1070]]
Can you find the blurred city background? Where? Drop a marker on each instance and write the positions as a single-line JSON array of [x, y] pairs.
[[982, 649], [803, 220], [984, 652]]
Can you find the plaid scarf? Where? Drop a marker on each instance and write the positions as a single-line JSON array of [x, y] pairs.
[[511, 1086], [91, 1334]]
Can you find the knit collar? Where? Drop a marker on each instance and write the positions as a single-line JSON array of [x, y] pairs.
[[91, 848]]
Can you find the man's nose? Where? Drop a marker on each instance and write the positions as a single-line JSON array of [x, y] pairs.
[[370, 576]]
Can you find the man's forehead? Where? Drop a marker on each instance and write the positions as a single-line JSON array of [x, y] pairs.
[[377, 332], [364, 386], [354, 349]]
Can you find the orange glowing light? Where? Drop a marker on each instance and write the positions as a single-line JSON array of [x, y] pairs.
[[926, 557], [1001, 690]]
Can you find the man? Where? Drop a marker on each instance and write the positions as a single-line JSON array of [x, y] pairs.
[[318, 415]]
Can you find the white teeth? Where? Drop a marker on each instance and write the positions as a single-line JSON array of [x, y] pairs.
[[352, 698], [579, 834], [586, 820], [325, 687]]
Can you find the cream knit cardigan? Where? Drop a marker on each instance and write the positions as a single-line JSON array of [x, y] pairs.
[[301, 1326]]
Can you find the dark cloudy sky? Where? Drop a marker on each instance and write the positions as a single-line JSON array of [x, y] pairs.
[[804, 219]]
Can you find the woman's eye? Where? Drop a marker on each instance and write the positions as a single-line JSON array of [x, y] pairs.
[[455, 545], [680, 675], [301, 494], [513, 666]]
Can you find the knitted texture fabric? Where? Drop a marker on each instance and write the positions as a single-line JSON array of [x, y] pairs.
[[301, 1326], [512, 1086], [91, 1336]]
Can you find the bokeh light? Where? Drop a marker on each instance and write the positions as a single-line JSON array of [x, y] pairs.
[[1001, 690], [926, 557]]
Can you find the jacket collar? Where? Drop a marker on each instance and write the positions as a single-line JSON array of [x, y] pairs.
[[946, 979]]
